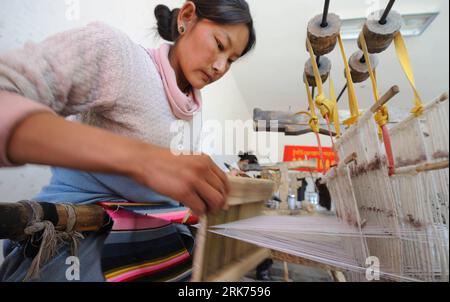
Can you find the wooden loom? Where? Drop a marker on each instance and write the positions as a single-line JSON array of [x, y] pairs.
[[218, 258]]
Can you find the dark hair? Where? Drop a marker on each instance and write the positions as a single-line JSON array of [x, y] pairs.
[[252, 159], [218, 11]]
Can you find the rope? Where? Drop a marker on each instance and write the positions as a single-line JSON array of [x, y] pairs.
[[48, 238], [326, 106], [70, 235], [382, 115], [43, 231], [314, 120]]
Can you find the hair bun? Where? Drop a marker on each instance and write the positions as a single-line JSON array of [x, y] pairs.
[[166, 21]]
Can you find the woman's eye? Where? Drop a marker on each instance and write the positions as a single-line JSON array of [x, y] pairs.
[[220, 45]]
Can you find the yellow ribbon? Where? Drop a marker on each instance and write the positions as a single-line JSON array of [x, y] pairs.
[[403, 56], [325, 105], [313, 121], [382, 116], [352, 100], [335, 117]]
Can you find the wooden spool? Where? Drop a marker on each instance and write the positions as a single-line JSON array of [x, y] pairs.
[[324, 39], [324, 69], [360, 70], [380, 36]]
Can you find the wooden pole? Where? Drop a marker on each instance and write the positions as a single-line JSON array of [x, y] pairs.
[[386, 12], [433, 166], [14, 218], [423, 168]]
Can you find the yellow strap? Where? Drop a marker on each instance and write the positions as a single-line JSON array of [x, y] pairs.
[[382, 115], [335, 117], [369, 66], [352, 100], [314, 121], [315, 67], [303, 113], [403, 56], [325, 105]]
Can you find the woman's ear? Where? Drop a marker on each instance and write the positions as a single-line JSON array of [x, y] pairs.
[[187, 16]]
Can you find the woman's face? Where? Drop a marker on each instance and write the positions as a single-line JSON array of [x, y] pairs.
[[206, 51]]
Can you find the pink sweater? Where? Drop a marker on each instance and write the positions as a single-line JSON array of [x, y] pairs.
[[96, 73]]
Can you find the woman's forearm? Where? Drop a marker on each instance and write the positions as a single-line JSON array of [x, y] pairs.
[[44, 138]]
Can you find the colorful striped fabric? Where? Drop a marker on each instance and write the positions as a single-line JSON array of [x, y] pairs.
[[156, 210], [145, 245]]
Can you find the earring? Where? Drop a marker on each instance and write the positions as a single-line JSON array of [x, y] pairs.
[[181, 29]]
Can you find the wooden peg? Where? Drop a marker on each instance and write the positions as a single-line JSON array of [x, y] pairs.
[[393, 91]]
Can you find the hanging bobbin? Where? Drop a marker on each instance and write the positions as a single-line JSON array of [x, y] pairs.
[[324, 70], [380, 36], [358, 67], [324, 38]]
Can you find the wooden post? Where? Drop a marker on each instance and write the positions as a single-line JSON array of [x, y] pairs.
[[219, 258]]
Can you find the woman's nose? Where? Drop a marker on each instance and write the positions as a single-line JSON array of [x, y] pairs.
[[219, 66]]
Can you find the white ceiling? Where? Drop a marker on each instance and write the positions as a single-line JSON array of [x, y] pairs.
[[269, 77]]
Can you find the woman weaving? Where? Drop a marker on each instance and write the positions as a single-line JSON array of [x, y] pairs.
[[126, 97]]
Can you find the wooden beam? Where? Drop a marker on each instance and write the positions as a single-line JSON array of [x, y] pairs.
[[280, 256], [237, 269], [423, 168], [433, 166], [301, 164], [14, 218]]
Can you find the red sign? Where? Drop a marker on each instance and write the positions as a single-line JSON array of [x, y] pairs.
[[296, 153]]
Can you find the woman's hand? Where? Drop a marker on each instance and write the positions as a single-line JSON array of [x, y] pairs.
[[194, 180]]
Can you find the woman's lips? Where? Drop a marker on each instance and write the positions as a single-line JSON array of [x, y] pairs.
[[206, 77]]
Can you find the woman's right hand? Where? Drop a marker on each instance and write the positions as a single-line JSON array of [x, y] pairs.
[[194, 180]]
